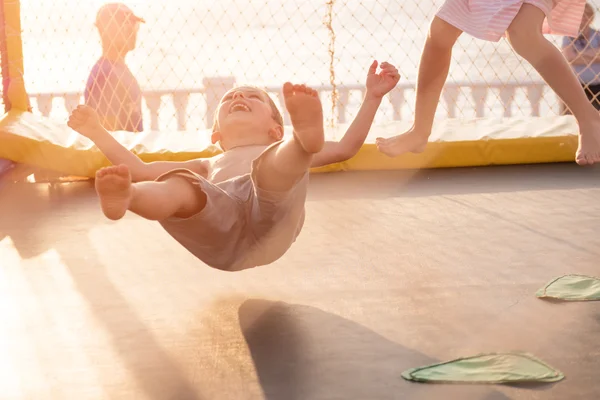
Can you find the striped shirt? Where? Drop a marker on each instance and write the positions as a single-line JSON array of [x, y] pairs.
[[489, 19]]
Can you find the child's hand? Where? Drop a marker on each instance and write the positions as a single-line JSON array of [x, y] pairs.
[[379, 84], [85, 120]]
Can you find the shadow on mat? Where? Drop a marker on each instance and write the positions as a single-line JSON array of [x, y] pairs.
[[301, 352], [31, 215], [149, 364], [37, 221]]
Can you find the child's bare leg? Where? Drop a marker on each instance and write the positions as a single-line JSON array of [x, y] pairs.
[[281, 169], [433, 72], [151, 200], [525, 36]]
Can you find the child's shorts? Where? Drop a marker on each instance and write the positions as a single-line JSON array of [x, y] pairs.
[[241, 226], [489, 19]]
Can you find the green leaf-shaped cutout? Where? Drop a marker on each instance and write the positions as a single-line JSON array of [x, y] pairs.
[[572, 288], [486, 368]]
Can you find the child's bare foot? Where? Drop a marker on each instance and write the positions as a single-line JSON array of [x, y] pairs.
[[113, 185], [588, 151], [306, 113], [410, 142]]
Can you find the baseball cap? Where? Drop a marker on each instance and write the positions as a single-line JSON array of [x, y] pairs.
[[115, 12]]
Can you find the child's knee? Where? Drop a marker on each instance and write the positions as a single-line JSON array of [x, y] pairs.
[[189, 194], [526, 29], [523, 38], [442, 34]]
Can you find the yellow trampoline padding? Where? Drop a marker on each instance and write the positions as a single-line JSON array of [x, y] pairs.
[[35, 140], [478, 142]]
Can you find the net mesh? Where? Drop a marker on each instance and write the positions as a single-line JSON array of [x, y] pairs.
[[187, 53]]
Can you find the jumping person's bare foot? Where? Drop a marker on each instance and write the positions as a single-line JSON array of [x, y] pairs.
[[306, 113], [588, 151], [412, 141], [113, 185]]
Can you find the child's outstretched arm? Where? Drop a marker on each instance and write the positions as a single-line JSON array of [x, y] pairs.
[[85, 121], [378, 85]]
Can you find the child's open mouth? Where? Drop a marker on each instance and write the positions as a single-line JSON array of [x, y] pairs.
[[239, 107]]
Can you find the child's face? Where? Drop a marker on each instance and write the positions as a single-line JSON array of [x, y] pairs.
[[245, 117], [120, 31]]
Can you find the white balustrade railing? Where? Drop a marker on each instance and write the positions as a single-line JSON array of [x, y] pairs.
[[214, 88]]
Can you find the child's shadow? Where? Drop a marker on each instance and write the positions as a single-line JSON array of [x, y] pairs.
[[301, 352]]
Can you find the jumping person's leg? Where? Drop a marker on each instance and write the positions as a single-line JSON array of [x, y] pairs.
[[526, 38], [433, 72]]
